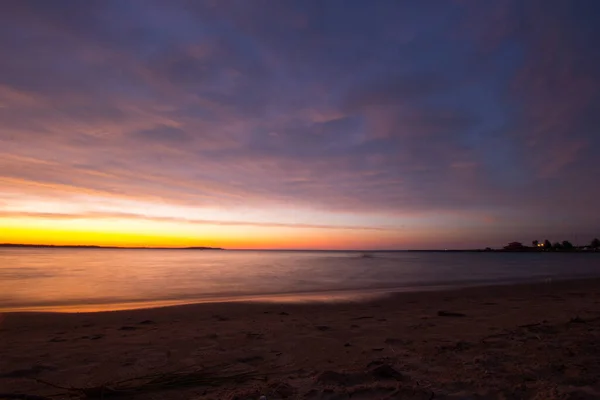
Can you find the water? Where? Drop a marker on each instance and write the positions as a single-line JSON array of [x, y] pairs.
[[103, 279]]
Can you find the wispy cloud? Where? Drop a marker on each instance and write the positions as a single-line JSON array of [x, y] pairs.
[[130, 216]]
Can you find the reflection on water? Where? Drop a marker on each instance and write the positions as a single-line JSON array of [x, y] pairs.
[[103, 279]]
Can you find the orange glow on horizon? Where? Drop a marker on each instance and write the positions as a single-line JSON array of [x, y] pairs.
[[124, 233]]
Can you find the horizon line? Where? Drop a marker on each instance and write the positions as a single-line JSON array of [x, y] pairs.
[[91, 246]]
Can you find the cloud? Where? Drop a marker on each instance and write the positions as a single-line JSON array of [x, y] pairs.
[[555, 85], [163, 134], [129, 216], [396, 90], [394, 109]]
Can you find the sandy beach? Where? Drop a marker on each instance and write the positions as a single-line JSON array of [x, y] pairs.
[[532, 341]]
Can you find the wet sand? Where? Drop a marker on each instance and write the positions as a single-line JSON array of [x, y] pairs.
[[534, 341]]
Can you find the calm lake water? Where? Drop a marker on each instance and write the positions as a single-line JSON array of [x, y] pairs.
[[102, 279]]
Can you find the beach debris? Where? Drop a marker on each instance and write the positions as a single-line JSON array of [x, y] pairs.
[[92, 337], [450, 314], [250, 359], [254, 335], [283, 313], [220, 318], [323, 327], [377, 362], [530, 325], [127, 328], [147, 322], [386, 371]]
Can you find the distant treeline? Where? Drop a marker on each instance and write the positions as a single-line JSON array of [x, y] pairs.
[[547, 245]]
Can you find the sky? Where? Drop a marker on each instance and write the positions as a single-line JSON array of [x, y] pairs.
[[299, 124]]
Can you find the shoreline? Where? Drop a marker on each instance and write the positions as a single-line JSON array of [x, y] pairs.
[[532, 340], [301, 297]]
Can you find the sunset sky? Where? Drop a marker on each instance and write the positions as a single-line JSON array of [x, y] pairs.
[[299, 124]]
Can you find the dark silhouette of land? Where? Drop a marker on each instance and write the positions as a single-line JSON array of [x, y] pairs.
[[547, 246]]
